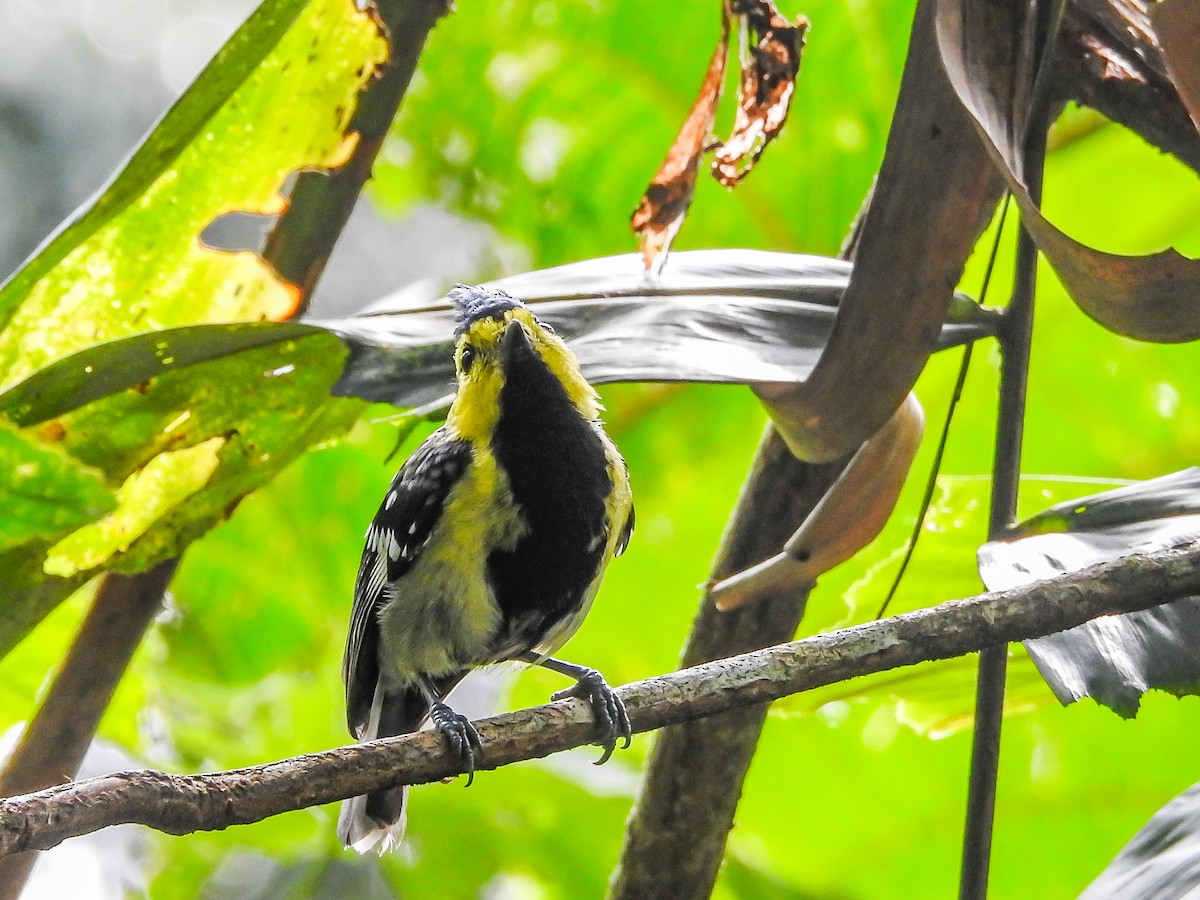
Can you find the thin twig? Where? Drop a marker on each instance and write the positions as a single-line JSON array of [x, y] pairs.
[[181, 804], [944, 438]]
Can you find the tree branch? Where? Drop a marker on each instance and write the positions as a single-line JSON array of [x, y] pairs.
[[180, 804]]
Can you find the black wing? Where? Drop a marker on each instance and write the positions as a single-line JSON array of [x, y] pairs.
[[400, 530]]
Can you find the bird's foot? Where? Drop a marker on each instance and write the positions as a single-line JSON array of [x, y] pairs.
[[459, 733], [612, 720]]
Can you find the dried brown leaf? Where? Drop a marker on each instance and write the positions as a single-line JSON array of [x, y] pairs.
[[849, 516], [911, 245], [768, 81], [660, 213]]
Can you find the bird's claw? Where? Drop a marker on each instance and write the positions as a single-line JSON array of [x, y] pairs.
[[460, 734], [612, 720]]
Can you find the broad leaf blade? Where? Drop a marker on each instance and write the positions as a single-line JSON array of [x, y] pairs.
[[720, 316], [1162, 859], [1114, 659], [115, 366], [278, 98], [184, 445]]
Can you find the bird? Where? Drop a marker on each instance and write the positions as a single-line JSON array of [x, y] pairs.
[[489, 546]]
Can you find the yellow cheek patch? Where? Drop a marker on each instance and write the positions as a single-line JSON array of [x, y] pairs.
[[477, 404]]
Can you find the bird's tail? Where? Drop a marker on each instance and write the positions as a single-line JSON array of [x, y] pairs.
[[376, 821]]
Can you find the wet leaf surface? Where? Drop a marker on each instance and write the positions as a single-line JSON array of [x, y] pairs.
[[1114, 659]]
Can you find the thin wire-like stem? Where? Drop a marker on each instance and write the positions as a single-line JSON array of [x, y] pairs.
[[943, 439], [1016, 335]]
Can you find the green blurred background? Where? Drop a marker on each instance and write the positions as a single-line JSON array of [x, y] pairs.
[[538, 125]]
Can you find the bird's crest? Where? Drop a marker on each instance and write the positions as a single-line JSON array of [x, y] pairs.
[[472, 303]]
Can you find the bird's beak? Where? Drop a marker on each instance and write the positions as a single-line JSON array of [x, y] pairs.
[[514, 339]]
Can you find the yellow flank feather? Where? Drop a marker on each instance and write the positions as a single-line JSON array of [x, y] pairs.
[[443, 613]]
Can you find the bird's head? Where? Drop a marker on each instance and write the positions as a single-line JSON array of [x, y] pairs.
[[495, 335]]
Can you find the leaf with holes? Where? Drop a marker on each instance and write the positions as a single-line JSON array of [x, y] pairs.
[[277, 98]]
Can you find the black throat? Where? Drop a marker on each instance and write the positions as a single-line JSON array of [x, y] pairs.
[[559, 478]]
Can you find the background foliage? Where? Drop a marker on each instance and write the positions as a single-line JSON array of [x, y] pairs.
[[545, 121]]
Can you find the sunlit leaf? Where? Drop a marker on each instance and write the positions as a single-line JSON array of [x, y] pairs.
[[164, 483], [185, 444], [277, 98]]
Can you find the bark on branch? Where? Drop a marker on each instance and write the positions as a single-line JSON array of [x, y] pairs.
[[180, 804]]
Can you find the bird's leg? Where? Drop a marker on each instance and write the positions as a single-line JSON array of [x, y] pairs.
[[457, 729], [611, 718]]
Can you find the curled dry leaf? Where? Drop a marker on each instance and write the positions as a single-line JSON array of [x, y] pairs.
[[849, 516], [1149, 298], [911, 246], [769, 69], [768, 80], [660, 213]]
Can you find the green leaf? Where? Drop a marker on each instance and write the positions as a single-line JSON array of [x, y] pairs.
[[276, 99], [44, 492], [165, 482], [187, 445]]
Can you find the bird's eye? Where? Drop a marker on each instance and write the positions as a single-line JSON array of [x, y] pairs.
[[466, 358]]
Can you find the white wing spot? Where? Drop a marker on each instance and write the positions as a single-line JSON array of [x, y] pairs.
[[391, 500], [393, 548]]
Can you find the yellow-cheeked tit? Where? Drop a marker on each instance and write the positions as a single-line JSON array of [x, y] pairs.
[[489, 546]]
